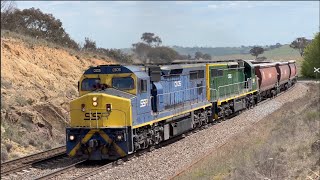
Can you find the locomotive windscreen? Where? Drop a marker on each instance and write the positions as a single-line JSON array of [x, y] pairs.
[[90, 84], [123, 83]]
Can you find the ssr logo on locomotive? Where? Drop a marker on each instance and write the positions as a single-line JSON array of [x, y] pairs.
[[94, 116], [177, 83], [143, 102]]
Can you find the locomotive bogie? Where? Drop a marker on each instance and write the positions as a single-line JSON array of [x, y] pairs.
[[97, 144]]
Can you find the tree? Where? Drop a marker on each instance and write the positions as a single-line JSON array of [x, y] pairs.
[[311, 58], [163, 54], [141, 50], [300, 44], [206, 56], [189, 57], [256, 51], [37, 24], [89, 44], [150, 38], [150, 49], [7, 8], [116, 54], [198, 55]]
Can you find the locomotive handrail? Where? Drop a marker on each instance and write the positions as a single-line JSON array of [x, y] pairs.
[[228, 92], [181, 90], [184, 93]]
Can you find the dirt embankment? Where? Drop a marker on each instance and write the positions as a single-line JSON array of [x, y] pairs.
[[37, 84]]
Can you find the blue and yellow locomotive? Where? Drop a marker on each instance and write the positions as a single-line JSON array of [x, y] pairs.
[[122, 109]]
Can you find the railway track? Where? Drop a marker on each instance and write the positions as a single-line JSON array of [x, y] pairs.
[[84, 168], [26, 162], [61, 171]]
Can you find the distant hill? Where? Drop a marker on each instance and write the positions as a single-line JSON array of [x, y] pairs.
[[213, 51], [218, 51], [277, 52], [282, 53]]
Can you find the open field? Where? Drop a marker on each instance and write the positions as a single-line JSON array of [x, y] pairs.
[[284, 145], [283, 53]]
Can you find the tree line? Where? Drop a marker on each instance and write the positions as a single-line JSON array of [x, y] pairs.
[[150, 50]]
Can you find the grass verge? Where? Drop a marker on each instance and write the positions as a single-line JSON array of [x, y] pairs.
[[284, 145]]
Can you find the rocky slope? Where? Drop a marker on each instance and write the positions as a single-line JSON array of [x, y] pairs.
[[37, 84]]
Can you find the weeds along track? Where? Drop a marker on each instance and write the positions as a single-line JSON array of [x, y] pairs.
[[27, 161]]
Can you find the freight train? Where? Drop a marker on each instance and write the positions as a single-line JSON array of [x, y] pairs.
[[125, 108]]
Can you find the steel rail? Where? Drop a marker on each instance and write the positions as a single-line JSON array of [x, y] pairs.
[[61, 171], [25, 162]]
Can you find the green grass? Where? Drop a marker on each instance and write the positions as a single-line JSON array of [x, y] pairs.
[[282, 53]]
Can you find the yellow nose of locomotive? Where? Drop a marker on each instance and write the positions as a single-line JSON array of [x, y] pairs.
[[100, 110]]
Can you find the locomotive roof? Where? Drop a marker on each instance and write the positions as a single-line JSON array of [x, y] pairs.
[[181, 66]]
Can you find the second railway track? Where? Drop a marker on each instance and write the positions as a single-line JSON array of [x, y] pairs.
[[26, 162]]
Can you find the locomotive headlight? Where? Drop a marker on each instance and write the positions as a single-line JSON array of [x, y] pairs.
[[108, 107], [71, 137], [94, 99], [94, 103], [83, 107], [119, 137]]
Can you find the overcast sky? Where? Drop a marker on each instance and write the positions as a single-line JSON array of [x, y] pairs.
[[118, 24]]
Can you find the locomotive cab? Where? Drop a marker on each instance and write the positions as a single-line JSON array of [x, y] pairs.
[[101, 118]]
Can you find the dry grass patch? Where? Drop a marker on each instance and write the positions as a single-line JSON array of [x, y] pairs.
[[284, 145]]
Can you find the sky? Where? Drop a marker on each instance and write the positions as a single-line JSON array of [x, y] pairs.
[[119, 24]]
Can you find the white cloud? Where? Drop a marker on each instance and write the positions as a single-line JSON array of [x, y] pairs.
[[212, 6], [58, 3], [125, 2], [232, 4], [183, 2]]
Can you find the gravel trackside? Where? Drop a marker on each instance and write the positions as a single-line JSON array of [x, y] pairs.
[[167, 161]]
